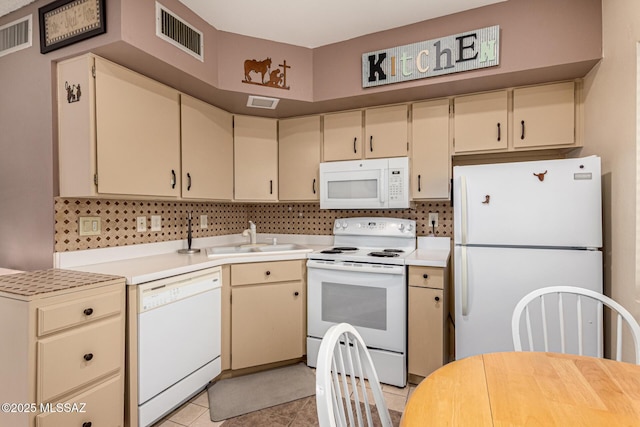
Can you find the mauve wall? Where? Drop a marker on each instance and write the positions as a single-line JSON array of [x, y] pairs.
[[27, 149], [537, 37]]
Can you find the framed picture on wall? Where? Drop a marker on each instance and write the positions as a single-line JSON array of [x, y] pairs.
[[64, 22]]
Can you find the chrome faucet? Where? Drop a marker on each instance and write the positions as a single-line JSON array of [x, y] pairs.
[[251, 232]]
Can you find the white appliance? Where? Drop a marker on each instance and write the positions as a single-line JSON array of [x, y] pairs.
[[179, 340], [362, 281], [519, 227], [365, 184]]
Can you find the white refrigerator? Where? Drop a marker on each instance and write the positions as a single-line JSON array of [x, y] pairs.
[[519, 227]]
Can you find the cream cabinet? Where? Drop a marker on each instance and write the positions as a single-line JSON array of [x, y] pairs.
[[66, 331], [544, 116], [343, 134], [480, 122], [427, 327], [255, 166], [299, 158], [268, 312], [118, 131], [430, 159], [386, 130], [207, 150]]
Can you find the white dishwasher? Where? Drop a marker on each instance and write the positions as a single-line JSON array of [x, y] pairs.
[[179, 340]]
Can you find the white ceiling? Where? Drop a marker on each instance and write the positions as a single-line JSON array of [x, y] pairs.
[[317, 23], [311, 23]]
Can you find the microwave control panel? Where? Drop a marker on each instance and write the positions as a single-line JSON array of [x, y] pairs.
[[396, 185]]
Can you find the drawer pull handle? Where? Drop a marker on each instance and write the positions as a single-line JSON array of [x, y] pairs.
[[87, 424], [268, 273], [88, 356], [425, 276], [88, 311], [296, 293], [437, 298]]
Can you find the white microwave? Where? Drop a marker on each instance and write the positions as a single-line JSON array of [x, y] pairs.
[[365, 184]]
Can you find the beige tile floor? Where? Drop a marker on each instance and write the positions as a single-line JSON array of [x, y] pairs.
[[195, 413]]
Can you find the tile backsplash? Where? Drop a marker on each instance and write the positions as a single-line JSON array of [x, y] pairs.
[[118, 218]]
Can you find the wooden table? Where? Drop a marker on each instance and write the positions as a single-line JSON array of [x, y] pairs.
[[527, 388]]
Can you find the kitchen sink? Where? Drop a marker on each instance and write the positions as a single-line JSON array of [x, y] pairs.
[[252, 249]]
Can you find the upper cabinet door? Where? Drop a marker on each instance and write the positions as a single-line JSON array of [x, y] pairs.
[[386, 132], [480, 122], [299, 154], [207, 150], [544, 115], [430, 159], [342, 136], [138, 133], [255, 158]]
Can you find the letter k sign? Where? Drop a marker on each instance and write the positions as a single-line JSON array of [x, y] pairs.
[[375, 67]]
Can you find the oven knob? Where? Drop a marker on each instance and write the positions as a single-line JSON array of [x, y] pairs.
[[401, 227], [409, 227], [344, 224]]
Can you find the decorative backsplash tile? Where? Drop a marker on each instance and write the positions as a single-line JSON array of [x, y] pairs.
[[118, 218]]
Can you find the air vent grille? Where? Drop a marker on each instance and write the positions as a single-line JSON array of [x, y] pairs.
[[262, 102], [15, 36], [178, 32]]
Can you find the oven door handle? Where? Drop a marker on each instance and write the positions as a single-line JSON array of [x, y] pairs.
[[358, 268]]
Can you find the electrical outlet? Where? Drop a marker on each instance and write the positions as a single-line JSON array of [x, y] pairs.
[[433, 219], [141, 224], [156, 223], [203, 221]]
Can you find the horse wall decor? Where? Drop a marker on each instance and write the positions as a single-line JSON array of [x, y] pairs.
[[275, 78]]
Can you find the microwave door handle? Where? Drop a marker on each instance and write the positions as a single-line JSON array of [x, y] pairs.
[[383, 186]]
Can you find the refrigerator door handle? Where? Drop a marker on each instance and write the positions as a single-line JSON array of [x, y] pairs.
[[463, 209], [465, 282]]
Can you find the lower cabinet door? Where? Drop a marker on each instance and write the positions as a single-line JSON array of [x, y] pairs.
[[101, 405], [266, 323], [425, 343]]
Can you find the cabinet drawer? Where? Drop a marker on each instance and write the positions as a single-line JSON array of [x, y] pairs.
[[102, 406], [62, 364], [266, 272], [79, 311], [426, 277]]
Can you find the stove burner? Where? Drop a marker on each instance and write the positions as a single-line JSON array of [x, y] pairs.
[[339, 250], [383, 254], [393, 250]]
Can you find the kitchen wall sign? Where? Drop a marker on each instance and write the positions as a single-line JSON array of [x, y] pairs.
[[65, 22], [271, 78], [466, 51]]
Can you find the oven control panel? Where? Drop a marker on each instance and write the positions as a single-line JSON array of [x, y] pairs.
[[375, 226]]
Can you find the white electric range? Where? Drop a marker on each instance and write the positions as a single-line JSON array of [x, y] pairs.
[[362, 281]]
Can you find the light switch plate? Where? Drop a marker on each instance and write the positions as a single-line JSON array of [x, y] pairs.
[[89, 226], [203, 221], [433, 219], [156, 223]]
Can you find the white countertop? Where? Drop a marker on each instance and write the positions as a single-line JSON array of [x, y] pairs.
[[4, 271], [431, 252], [154, 261], [144, 263]]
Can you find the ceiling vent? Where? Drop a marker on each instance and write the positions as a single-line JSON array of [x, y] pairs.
[[262, 102], [15, 36], [178, 32]]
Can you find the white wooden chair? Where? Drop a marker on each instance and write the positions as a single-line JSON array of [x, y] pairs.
[[343, 351], [585, 300]]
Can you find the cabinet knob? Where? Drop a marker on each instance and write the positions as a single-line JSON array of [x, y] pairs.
[[268, 273], [437, 298], [87, 424], [296, 293], [88, 356], [88, 311], [425, 276]]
